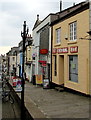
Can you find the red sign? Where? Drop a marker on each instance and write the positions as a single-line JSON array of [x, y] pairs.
[[43, 62], [74, 49], [62, 50], [43, 51], [54, 51]]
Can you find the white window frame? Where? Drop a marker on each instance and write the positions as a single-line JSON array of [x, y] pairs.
[[58, 35], [73, 31]]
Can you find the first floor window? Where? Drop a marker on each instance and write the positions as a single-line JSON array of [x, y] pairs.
[[58, 35], [73, 68], [13, 58], [73, 31]]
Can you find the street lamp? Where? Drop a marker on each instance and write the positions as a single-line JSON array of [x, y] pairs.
[[85, 38], [24, 36]]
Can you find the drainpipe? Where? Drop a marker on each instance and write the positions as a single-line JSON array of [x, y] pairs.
[[51, 53], [90, 47]]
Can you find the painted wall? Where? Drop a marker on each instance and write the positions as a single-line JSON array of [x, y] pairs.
[[28, 60], [12, 63], [36, 42], [83, 53], [18, 63]]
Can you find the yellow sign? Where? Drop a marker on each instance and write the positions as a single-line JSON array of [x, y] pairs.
[[39, 79]]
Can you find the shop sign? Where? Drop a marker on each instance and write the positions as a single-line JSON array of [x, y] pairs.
[[39, 79], [43, 62], [54, 51], [19, 86], [62, 50], [43, 51], [74, 49]]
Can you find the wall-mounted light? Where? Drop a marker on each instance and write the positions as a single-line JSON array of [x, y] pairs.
[[89, 32], [66, 37]]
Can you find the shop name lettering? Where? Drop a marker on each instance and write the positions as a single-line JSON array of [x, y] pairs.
[[74, 49], [62, 50], [65, 50]]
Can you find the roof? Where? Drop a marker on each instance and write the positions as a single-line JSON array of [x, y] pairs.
[[71, 11], [37, 22]]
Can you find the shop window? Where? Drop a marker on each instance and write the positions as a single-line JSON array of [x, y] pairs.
[[55, 65], [73, 68], [73, 31], [58, 35]]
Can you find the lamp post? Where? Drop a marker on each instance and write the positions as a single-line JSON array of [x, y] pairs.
[[24, 36]]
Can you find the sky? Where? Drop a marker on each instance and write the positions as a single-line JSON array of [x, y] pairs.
[[14, 12]]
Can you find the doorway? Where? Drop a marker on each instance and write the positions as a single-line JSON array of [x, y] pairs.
[[61, 69]]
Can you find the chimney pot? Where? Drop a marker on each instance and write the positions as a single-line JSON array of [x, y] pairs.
[[73, 4], [38, 17]]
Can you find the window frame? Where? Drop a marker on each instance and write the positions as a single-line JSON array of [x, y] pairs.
[[73, 31], [70, 65], [58, 36]]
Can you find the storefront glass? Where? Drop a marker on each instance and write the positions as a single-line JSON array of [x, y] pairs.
[[73, 68]]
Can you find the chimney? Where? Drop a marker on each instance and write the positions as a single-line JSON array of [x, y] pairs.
[[60, 5], [74, 4], [37, 16]]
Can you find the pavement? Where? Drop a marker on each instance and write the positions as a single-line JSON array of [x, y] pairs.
[[50, 103]]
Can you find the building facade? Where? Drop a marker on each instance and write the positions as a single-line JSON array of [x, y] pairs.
[[28, 58], [41, 52], [71, 45], [12, 61]]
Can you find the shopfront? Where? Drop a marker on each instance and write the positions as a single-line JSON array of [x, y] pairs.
[[71, 49], [70, 68]]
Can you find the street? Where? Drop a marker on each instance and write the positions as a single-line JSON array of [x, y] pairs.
[[55, 104], [48, 103]]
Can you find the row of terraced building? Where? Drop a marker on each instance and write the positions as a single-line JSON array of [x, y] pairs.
[[58, 51]]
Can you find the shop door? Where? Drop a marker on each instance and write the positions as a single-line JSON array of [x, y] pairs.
[[33, 69], [73, 68], [61, 69]]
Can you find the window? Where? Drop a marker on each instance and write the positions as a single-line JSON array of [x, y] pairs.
[[73, 68], [73, 31], [13, 58], [55, 66], [58, 35]]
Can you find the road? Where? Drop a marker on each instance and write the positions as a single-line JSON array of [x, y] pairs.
[[54, 104]]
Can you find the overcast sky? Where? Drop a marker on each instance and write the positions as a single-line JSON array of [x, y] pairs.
[[14, 12]]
